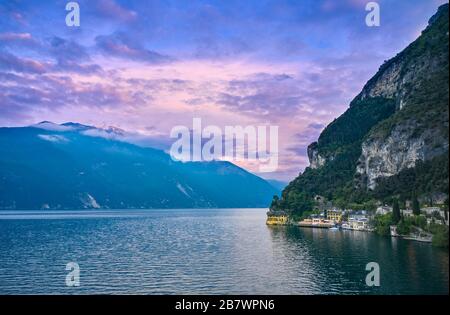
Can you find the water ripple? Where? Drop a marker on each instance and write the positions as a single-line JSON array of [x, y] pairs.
[[211, 251]]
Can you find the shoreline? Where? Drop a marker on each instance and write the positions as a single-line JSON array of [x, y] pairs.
[[333, 228]]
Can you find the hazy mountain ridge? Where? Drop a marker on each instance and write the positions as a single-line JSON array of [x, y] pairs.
[[60, 167]]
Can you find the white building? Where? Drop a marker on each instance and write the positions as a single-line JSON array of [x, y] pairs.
[[407, 213], [358, 222], [383, 210], [431, 210]]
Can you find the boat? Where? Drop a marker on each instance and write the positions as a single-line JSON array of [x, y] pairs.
[[346, 226], [334, 228], [419, 238]]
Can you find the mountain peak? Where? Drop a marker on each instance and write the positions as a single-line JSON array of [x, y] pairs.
[[442, 10], [114, 130], [48, 125], [77, 126]]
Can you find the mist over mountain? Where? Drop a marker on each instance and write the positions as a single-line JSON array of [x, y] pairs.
[[74, 166]]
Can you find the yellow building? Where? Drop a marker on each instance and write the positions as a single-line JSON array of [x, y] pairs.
[[334, 215], [276, 218]]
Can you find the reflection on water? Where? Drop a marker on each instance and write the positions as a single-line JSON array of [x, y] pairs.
[[339, 258], [228, 251]]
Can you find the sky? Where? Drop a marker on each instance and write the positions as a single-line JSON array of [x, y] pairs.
[[147, 66]]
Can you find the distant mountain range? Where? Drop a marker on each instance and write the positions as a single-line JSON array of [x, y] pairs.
[[278, 184], [392, 142], [74, 166]]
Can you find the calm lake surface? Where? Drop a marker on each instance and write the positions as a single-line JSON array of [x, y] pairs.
[[225, 251]]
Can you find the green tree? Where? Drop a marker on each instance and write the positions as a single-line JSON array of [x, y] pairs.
[[415, 205], [420, 221], [396, 212], [382, 224], [275, 203], [446, 210], [440, 236], [404, 227]]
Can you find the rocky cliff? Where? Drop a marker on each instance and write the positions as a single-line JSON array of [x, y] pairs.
[[417, 80], [315, 159], [401, 149], [393, 139]]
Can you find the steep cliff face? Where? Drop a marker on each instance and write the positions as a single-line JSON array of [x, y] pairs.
[[402, 76], [393, 139], [400, 150], [417, 79], [315, 159]]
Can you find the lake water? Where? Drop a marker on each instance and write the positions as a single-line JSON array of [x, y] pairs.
[[226, 251]]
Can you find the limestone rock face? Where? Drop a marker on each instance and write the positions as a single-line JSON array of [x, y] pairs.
[[315, 159], [402, 76], [400, 150], [411, 138], [393, 139]]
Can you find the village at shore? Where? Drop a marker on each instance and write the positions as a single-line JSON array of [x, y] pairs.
[[424, 225]]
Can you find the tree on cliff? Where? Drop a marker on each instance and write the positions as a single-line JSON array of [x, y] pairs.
[[275, 203], [396, 212], [415, 205]]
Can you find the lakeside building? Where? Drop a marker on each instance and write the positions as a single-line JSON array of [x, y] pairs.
[[407, 213], [437, 220], [316, 222], [358, 222], [277, 218], [435, 215], [334, 215], [430, 210], [382, 210]]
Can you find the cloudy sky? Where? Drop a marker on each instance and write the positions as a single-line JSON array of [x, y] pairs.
[[147, 66]]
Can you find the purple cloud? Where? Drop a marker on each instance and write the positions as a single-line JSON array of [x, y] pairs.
[[71, 66], [229, 61], [10, 62], [110, 9], [13, 38], [63, 49], [119, 45]]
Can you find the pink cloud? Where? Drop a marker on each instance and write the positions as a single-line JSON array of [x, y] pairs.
[[11, 62], [11, 36], [113, 10], [297, 97]]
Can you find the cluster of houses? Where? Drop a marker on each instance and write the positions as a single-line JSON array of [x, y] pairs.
[[359, 220], [336, 218], [434, 215]]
